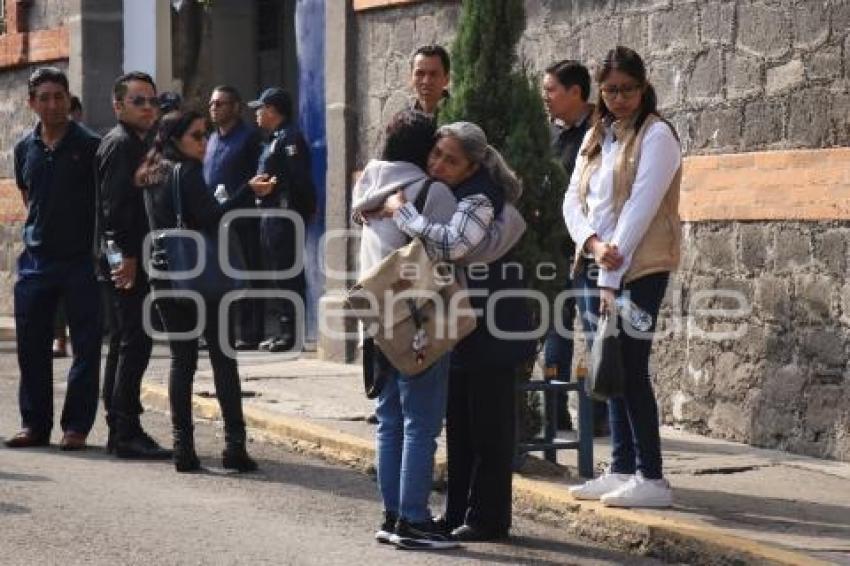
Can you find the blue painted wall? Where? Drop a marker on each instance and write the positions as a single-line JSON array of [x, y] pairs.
[[310, 47]]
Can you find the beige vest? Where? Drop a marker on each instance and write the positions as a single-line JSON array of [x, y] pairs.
[[659, 250]]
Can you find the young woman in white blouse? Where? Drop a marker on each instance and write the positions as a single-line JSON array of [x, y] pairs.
[[621, 209]]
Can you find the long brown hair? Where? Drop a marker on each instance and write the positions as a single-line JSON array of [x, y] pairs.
[[171, 128], [626, 61]]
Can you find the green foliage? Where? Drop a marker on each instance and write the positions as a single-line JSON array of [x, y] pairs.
[[490, 88]]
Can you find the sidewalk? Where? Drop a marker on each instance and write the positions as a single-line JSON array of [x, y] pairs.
[[734, 503]]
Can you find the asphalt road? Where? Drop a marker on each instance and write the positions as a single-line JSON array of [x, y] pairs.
[[88, 508]]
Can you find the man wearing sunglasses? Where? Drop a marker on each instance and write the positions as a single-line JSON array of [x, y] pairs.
[[122, 220], [231, 160]]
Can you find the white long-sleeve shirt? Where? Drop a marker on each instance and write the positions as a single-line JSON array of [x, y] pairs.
[[660, 158]]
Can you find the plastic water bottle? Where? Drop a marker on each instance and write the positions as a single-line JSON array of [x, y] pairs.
[[639, 319], [220, 193], [113, 254]]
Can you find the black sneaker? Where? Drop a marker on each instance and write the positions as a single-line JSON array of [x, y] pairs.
[[420, 536], [385, 531]]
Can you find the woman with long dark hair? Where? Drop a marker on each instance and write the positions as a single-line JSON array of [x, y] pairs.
[[621, 209], [178, 149]]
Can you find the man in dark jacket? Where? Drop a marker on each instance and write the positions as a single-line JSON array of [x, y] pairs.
[[55, 174], [122, 221], [286, 161], [566, 89], [233, 152]]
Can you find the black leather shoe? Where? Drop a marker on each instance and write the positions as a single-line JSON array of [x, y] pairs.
[[235, 457], [28, 438], [245, 346], [468, 533], [141, 447]]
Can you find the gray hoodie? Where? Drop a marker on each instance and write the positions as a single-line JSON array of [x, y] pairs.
[[381, 236]]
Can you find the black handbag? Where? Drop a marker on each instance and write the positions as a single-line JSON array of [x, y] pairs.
[[377, 369], [176, 252], [605, 379]]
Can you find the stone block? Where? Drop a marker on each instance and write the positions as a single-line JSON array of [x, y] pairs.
[[402, 38], [824, 404], [793, 249], [567, 46], [773, 299], [717, 21], [396, 72], [840, 20], [825, 347], [844, 301], [831, 251], [597, 39], [730, 421], [715, 250], [592, 11], [839, 119], [755, 244], [717, 128], [811, 24], [706, 80], [667, 77], [426, 29], [784, 77], [808, 122], [779, 344], [763, 30], [634, 32], [447, 18], [813, 298], [674, 29], [743, 75], [763, 123], [380, 34], [824, 63]]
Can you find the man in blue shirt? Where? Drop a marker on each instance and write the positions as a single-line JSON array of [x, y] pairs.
[[54, 169], [285, 163], [233, 152]]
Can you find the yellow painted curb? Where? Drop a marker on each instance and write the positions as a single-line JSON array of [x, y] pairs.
[[639, 532]]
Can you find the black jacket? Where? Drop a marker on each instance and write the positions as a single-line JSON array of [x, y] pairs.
[[201, 211], [287, 157], [121, 211]]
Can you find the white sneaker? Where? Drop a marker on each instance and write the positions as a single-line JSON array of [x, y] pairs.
[[596, 488], [640, 492]]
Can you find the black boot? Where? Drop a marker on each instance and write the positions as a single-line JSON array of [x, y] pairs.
[[132, 442], [235, 456], [110, 435], [185, 458]]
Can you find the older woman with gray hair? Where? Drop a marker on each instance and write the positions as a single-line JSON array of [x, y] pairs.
[[481, 407]]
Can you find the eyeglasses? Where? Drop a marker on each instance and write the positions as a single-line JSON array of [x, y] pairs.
[[198, 136], [139, 101], [626, 91]]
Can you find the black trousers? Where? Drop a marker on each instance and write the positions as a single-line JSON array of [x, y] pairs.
[[248, 323], [279, 253], [480, 443], [180, 315], [129, 353], [40, 286]]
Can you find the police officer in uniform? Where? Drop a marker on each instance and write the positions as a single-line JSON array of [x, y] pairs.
[[285, 163]]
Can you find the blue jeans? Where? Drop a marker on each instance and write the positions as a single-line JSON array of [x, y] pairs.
[[42, 283], [410, 411], [635, 438], [558, 350]]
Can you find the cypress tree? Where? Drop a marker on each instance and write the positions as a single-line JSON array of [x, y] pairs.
[[493, 89]]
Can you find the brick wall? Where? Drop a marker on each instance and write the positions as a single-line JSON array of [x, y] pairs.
[[733, 76]]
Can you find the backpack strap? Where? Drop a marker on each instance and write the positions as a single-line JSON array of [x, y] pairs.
[[419, 203]]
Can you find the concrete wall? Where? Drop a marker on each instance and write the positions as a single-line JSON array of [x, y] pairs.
[[733, 76]]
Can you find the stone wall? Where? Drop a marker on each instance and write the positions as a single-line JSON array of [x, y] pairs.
[[780, 376], [733, 76]]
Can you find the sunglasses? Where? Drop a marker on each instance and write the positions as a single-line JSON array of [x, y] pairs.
[[198, 136], [139, 101]]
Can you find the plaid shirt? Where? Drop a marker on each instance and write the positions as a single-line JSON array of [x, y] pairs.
[[465, 231]]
